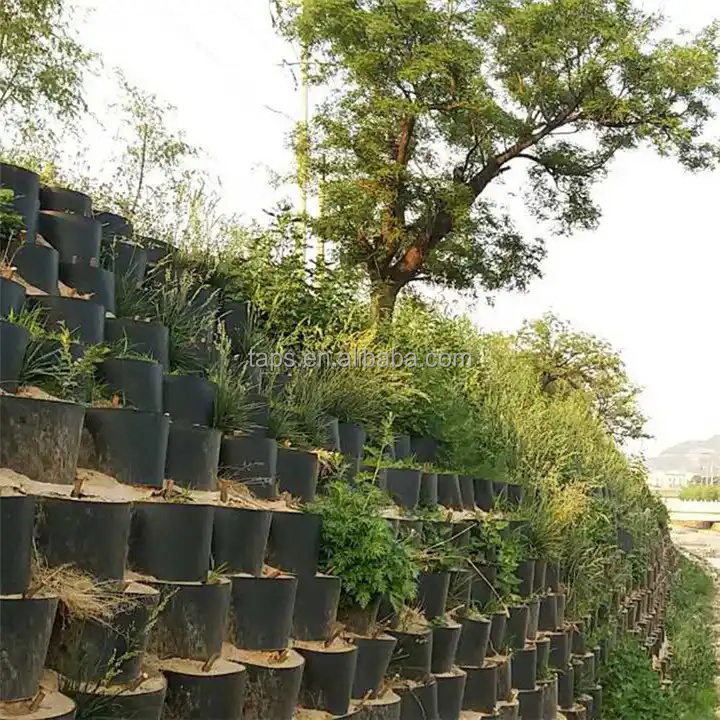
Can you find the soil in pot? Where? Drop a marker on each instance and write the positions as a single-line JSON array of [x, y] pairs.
[[484, 494], [40, 438], [142, 701], [253, 461], [428, 489], [524, 667], [75, 237], [12, 297], [445, 640], [189, 399], [16, 541], [481, 688], [403, 485], [418, 700], [137, 382], [127, 444], [412, 656], [25, 627], [87, 650], [467, 491], [145, 338], [240, 538], [39, 266], [192, 457], [432, 593], [474, 640], [328, 675], [373, 659], [516, 626], [262, 611], [316, 606], [273, 682], [84, 319], [52, 706], [13, 342], [65, 200], [450, 692], [198, 692], [171, 540], [192, 619], [449, 491], [88, 533], [297, 472], [352, 439], [294, 542]]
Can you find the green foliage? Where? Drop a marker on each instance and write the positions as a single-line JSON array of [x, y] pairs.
[[359, 547], [10, 222], [430, 103], [700, 492]]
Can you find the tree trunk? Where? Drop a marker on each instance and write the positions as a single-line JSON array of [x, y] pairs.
[[383, 298]]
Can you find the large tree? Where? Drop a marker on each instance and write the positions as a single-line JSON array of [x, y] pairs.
[[428, 103], [41, 62]]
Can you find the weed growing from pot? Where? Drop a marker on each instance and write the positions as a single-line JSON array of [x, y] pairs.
[[358, 546]]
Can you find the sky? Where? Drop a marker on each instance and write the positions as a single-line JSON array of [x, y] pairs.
[[646, 280]]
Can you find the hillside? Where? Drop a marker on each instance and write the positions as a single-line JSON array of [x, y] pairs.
[[689, 456]]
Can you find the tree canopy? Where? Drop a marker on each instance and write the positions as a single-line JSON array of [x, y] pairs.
[[429, 103]]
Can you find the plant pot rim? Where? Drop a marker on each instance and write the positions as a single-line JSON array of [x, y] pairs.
[[115, 408], [142, 361], [43, 401], [221, 580]]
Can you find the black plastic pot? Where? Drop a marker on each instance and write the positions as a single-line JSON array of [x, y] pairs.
[[26, 191], [40, 438], [504, 678], [484, 494], [297, 473], [25, 628], [548, 614], [524, 667], [13, 342], [432, 593], [467, 491], [65, 200], [515, 494], [138, 382], [533, 618], [328, 676], [84, 319], [91, 535], [445, 640], [552, 577], [294, 542], [12, 297], [273, 684], [539, 578], [139, 702], [481, 689], [251, 460], [189, 399], [352, 439], [171, 540], [262, 611], [75, 237], [240, 539], [128, 444], [473, 644], [333, 435], [38, 265], [157, 250], [525, 573], [560, 605], [560, 646], [192, 619], [143, 337], [498, 622], [359, 620], [402, 447], [424, 449], [99, 283], [419, 702], [16, 540], [566, 686], [87, 650], [531, 703], [516, 626], [450, 692], [579, 639], [403, 485], [373, 659], [113, 225], [412, 656], [316, 606], [459, 591], [428, 489], [542, 644], [449, 490], [196, 693], [126, 260], [482, 588], [192, 456]]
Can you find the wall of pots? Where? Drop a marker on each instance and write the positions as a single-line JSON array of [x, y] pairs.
[[218, 609]]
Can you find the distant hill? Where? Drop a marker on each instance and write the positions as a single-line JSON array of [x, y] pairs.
[[692, 456]]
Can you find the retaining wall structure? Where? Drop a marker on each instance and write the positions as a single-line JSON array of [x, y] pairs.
[[130, 497]]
